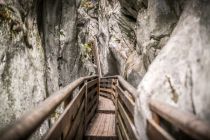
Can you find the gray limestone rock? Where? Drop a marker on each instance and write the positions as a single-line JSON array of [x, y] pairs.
[[180, 74]]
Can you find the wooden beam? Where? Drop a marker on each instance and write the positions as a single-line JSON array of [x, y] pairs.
[[24, 127], [123, 128], [128, 123], [90, 115], [154, 131], [128, 87], [76, 122], [92, 83], [185, 121], [64, 121], [119, 133], [129, 103]]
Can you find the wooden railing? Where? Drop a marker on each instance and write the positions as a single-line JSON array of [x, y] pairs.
[[167, 123], [123, 96], [80, 107], [170, 123], [81, 100]]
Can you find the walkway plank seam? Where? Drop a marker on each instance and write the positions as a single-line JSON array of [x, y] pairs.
[[102, 126]]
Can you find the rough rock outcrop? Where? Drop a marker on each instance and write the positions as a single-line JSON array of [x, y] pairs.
[[22, 66], [117, 42], [131, 34], [39, 54], [180, 73]]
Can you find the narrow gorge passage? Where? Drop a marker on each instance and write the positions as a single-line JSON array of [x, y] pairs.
[[150, 58]]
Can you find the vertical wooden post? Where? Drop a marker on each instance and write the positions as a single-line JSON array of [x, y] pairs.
[[98, 90], [116, 105], [86, 107]]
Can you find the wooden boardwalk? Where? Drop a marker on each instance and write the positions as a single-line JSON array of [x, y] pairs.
[[105, 105], [102, 126]]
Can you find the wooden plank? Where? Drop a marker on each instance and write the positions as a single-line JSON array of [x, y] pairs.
[[128, 123], [80, 132], [90, 115], [70, 111], [102, 126], [119, 133], [154, 131], [75, 124], [123, 128], [92, 91], [186, 121], [105, 105], [38, 115], [92, 83], [107, 95], [95, 124], [105, 80], [92, 103], [129, 103], [128, 87], [107, 90]]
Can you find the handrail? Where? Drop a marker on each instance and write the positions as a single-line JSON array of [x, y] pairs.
[[123, 95], [23, 128], [124, 84], [128, 87], [185, 121]]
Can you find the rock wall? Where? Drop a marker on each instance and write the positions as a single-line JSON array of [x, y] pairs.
[[160, 46], [180, 73], [38, 54], [131, 34], [22, 66]]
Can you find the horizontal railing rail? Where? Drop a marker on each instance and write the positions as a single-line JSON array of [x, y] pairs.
[[123, 96], [185, 122], [166, 123], [24, 127]]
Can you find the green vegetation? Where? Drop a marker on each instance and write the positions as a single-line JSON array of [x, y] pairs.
[[87, 4], [86, 51]]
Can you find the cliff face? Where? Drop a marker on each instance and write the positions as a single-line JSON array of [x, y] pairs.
[[38, 52], [160, 46], [22, 66], [180, 73], [131, 34]]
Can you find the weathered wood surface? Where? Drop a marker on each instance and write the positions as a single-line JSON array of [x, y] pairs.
[[126, 99], [185, 121], [24, 127], [129, 125], [105, 105], [112, 115], [154, 131], [102, 126], [63, 124]]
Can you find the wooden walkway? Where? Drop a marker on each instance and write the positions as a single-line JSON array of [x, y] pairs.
[[102, 126]]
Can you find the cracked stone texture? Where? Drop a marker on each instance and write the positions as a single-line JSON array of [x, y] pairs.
[[180, 74], [38, 54], [117, 42], [132, 33], [22, 65]]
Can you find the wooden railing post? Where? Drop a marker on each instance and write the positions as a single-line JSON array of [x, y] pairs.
[[98, 90], [116, 107], [86, 104]]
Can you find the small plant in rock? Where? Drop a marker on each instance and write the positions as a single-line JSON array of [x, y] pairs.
[[86, 51], [87, 4]]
